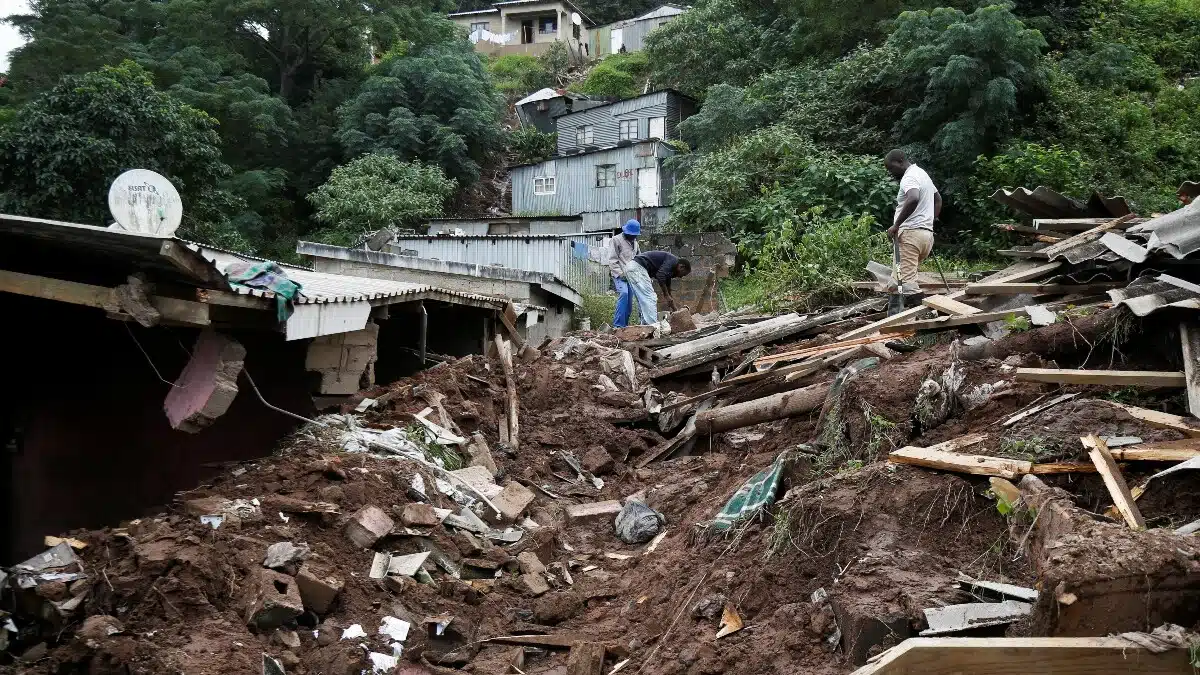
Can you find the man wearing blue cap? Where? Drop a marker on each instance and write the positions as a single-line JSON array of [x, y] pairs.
[[621, 250]]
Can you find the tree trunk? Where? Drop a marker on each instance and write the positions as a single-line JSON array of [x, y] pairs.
[[779, 406]]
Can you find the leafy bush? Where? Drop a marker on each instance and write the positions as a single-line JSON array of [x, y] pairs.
[[376, 191], [811, 260], [530, 145], [517, 75], [616, 76], [757, 182]]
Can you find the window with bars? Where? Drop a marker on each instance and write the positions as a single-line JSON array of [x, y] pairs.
[[480, 25], [606, 175], [583, 136], [543, 185], [629, 130]]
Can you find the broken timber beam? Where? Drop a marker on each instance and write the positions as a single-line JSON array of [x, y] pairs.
[[1086, 237], [820, 350], [1162, 420], [950, 306], [908, 314], [99, 297], [779, 406], [1116, 378], [1114, 481], [944, 322], [1039, 289], [1008, 656], [1159, 451], [504, 350], [944, 457], [1189, 334]]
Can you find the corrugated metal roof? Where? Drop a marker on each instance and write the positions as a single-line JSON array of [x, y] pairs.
[[539, 95], [661, 12], [1044, 202], [1177, 232], [322, 287], [1146, 295]]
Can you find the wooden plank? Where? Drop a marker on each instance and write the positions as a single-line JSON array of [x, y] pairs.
[[1114, 481], [1037, 409], [1025, 229], [576, 512], [1086, 237], [820, 350], [504, 349], [944, 322], [1116, 378], [100, 297], [908, 314], [926, 287], [1189, 334], [722, 340], [708, 356], [191, 263], [1077, 225], [586, 658], [1022, 656], [548, 641], [229, 299], [1005, 490], [1039, 289], [949, 306], [1159, 451], [1062, 467], [977, 465], [1163, 420]]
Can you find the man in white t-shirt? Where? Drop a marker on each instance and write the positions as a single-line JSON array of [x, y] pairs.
[[918, 204]]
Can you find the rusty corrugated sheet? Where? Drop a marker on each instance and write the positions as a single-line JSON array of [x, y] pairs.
[[1146, 295], [1044, 202]]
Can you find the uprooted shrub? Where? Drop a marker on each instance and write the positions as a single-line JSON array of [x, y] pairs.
[[810, 260]]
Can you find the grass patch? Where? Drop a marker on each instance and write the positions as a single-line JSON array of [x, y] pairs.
[[1017, 324], [600, 307]]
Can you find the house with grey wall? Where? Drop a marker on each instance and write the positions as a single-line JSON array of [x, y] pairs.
[[627, 177], [654, 115], [630, 34], [541, 108]]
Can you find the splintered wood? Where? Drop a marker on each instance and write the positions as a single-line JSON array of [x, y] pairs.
[[1114, 481], [509, 430], [944, 456]]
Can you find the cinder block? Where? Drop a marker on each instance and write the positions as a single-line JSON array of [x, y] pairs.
[[317, 590], [368, 525], [275, 601], [512, 502]]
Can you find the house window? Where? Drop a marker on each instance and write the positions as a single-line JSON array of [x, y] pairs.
[[480, 25], [606, 175], [543, 185], [629, 130], [583, 135], [548, 25]]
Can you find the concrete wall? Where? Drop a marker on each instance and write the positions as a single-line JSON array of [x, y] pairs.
[[711, 254]]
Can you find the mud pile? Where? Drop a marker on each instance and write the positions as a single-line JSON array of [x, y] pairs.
[[349, 550]]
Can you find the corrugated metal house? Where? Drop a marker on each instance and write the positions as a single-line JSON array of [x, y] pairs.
[[541, 108], [653, 115], [630, 33], [612, 179]]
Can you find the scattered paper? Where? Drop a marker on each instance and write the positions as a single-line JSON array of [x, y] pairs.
[[355, 631], [397, 629], [283, 517], [731, 621], [383, 663], [214, 521]]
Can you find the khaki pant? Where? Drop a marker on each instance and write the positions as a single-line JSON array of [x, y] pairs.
[[915, 245]]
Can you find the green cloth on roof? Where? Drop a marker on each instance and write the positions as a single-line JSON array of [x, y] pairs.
[[266, 276]]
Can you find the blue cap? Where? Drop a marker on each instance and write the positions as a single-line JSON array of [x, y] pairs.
[[633, 228]]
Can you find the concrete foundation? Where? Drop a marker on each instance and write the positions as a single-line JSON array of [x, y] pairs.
[[344, 361]]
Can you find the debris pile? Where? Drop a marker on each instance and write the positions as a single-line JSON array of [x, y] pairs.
[[733, 493]]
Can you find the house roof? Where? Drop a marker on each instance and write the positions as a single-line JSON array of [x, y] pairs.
[[539, 95], [589, 152], [568, 3], [662, 11], [475, 11], [647, 94]]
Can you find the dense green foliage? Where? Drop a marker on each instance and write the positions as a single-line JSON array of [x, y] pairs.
[[517, 75], [529, 145], [1077, 95], [289, 92], [616, 76], [103, 123], [376, 191]]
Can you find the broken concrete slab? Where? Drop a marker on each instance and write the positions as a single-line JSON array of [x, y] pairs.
[[619, 364], [317, 589], [208, 384], [997, 589], [577, 513], [275, 600], [596, 460], [533, 584], [406, 565], [512, 502], [530, 563], [480, 479], [419, 515], [479, 454], [973, 615], [368, 525], [286, 556]]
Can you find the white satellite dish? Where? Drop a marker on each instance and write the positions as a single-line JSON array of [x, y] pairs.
[[145, 202], [576, 19]]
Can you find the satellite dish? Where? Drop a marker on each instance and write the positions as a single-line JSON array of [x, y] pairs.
[[145, 202], [576, 19]]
